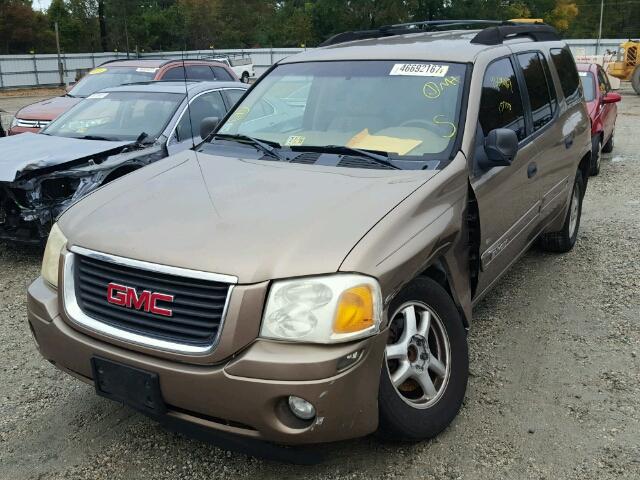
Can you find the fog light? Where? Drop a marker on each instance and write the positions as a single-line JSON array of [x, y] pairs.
[[301, 408]]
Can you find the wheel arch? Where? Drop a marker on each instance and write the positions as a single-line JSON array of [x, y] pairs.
[[120, 171]]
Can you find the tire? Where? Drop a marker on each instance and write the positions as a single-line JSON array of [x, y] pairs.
[[635, 79], [245, 77], [405, 413], [596, 155], [564, 240], [608, 147]]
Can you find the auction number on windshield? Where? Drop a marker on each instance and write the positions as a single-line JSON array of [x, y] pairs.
[[419, 69]]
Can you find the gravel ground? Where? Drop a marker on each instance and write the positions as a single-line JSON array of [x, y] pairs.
[[554, 390]]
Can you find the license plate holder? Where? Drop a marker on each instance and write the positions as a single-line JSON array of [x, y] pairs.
[[131, 386]]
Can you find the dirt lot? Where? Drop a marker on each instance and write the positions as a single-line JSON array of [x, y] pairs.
[[554, 391]]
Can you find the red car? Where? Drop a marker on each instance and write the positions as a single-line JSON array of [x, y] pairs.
[[601, 103], [112, 74]]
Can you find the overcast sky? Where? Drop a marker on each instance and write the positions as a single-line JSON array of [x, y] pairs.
[[41, 4]]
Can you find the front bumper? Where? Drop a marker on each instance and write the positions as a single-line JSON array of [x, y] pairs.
[[246, 393]]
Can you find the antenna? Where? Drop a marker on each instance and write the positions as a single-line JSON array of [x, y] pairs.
[[186, 91]]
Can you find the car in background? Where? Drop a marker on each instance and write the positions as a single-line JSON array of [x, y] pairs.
[[38, 115], [107, 135], [603, 111], [241, 64]]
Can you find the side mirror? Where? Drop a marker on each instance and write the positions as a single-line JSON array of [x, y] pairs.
[[611, 97], [501, 147], [207, 126]]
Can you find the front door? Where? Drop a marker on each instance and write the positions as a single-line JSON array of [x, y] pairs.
[[508, 196]]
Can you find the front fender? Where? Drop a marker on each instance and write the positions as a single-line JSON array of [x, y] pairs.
[[428, 228]]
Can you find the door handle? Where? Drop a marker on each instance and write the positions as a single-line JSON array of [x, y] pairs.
[[568, 140], [532, 169]]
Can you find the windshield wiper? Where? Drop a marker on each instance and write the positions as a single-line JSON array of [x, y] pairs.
[[263, 145], [344, 150], [94, 137]]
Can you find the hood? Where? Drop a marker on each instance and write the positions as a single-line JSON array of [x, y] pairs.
[[47, 109], [32, 151], [256, 220]]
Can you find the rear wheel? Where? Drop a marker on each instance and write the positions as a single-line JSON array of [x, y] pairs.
[[635, 79], [596, 155], [245, 77], [608, 147], [565, 239], [424, 376]]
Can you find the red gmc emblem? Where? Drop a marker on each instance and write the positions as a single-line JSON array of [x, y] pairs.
[[148, 301]]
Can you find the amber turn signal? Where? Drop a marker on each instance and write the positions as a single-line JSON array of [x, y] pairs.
[[355, 310]]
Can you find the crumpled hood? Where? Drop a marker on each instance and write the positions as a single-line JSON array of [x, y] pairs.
[[47, 109], [257, 220], [31, 151]]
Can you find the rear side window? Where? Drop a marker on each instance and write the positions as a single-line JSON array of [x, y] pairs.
[[567, 72], [221, 74], [174, 74], [194, 72], [501, 104], [538, 89]]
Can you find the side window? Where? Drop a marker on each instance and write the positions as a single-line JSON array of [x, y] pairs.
[[176, 73], [537, 89], [567, 72], [199, 72], [603, 82], [233, 95], [209, 104], [221, 74], [501, 104]]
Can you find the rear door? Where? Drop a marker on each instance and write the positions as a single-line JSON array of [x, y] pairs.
[[547, 163], [609, 110], [508, 197]]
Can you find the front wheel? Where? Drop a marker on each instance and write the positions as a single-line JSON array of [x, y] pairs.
[[608, 147], [245, 77], [564, 240], [424, 375]]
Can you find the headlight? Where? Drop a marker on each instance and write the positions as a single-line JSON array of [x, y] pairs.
[[51, 260], [324, 309], [14, 122]]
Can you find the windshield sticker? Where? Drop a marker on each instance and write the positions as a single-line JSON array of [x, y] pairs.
[[583, 74], [433, 90], [96, 71], [97, 95], [436, 121], [239, 114], [146, 70], [295, 141], [419, 69]]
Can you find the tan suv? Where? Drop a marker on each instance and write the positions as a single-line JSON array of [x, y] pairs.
[[308, 273]]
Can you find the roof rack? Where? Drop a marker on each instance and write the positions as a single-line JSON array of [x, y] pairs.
[[494, 32]]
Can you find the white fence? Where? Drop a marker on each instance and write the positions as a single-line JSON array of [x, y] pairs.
[[42, 70]]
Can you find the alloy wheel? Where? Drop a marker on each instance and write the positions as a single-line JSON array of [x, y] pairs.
[[418, 355]]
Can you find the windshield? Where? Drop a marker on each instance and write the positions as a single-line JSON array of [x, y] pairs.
[[408, 110], [588, 86], [117, 116], [107, 77]]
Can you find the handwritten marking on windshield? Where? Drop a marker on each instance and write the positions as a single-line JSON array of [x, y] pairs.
[[436, 121], [295, 141], [502, 82], [433, 90], [504, 106]]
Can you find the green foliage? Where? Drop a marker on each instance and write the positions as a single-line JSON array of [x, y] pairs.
[[153, 25]]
